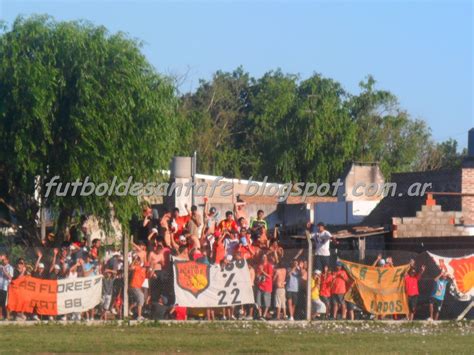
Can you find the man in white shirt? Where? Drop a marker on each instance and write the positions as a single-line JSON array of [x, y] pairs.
[[321, 241], [6, 275]]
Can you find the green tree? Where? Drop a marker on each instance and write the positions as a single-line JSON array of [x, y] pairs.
[[302, 131], [272, 101], [441, 156], [213, 113], [386, 133], [325, 133], [77, 101]]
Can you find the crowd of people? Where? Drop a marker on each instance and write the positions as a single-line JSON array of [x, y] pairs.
[[279, 281]]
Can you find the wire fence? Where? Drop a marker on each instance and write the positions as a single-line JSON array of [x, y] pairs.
[[278, 284]]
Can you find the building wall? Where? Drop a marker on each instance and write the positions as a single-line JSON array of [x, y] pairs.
[[368, 173], [468, 188], [341, 213], [430, 222]]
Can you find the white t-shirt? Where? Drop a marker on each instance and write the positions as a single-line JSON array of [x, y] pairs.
[[321, 243]]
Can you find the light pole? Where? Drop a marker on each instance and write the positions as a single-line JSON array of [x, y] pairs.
[[310, 275]]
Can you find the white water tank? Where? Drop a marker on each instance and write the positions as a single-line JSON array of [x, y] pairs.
[[181, 167]]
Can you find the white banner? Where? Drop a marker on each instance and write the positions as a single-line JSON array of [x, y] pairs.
[[201, 285], [461, 271], [79, 295]]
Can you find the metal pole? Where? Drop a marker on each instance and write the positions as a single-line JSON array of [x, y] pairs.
[[193, 177], [125, 275], [310, 276], [467, 309]]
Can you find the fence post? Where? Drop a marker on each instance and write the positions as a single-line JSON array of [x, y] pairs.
[[466, 310], [310, 276], [125, 275]]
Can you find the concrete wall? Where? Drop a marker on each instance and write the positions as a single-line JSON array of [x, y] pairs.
[[290, 215], [430, 222], [468, 188], [369, 173], [352, 212]]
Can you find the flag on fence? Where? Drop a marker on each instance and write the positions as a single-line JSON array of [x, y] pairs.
[[461, 270], [377, 290], [202, 285], [54, 297]]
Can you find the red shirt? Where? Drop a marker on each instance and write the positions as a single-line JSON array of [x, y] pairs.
[[339, 283], [411, 285], [229, 225], [267, 284], [181, 222], [246, 252], [139, 276], [219, 252], [326, 282], [181, 312]]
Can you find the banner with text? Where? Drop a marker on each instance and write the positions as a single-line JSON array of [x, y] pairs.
[[202, 285], [461, 270], [54, 297], [378, 290]]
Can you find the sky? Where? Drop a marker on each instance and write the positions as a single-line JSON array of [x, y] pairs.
[[422, 51]]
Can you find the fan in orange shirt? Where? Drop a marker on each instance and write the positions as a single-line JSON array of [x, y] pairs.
[[228, 224]]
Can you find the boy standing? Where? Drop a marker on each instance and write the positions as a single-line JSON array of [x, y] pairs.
[[411, 288], [438, 294]]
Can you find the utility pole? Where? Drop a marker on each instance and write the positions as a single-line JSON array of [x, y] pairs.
[[193, 178], [310, 276], [125, 275]]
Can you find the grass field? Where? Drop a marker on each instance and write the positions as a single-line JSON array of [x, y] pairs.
[[220, 337]]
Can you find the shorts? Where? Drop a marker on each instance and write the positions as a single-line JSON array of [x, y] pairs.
[[138, 296], [293, 296], [106, 301], [350, 306], [318, 306], [325, 300], [338, 299], [145, 283], [412, 301], [280, 298], [322, 261], [266, 297], [436, 303]]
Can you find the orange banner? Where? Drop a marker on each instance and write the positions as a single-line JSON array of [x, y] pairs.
[[29, 294], [378, 290]]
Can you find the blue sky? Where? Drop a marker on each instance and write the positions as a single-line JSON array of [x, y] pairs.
[[422, 51]]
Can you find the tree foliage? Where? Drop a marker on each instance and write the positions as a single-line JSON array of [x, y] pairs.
[[77, 101]]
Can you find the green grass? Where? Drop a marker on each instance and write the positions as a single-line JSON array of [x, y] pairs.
[[240, 337]]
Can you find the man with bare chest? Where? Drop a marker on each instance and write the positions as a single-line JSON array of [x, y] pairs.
[[279, 280], [159, 260]]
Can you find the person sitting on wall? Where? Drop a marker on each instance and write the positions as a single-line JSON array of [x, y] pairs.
[[228, 224], [258, 226]]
